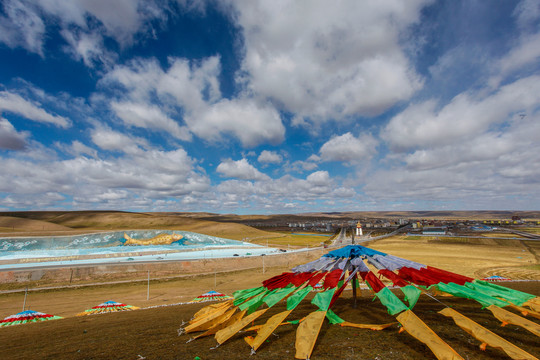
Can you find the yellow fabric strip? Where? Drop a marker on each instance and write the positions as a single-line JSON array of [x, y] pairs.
[[225, 334], [218, 320], [214, 329], [485, 336], [534, 304], [266, 330], [418, 329], [368, 326], [525, 312], [307, 333], [201, 323], [209, 309], [507, 317]]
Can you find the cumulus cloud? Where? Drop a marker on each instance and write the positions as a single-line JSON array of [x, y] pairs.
[[83, 24], [191, 91], [149, 117], [270, 157], [77, 148], [10, 138], [22, 26], [107, 139], [240, 169], [246, 120], [342, 60], [128, 181], [348, 148], [14, 103], [465, 117]]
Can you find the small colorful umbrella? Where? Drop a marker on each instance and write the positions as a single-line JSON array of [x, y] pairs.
[[27, 316], [108, 306], [210, 296]]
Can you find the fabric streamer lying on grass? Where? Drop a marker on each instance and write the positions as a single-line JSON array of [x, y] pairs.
[[339, 268]]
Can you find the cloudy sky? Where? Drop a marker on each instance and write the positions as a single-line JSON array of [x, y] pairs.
[[245, 106]]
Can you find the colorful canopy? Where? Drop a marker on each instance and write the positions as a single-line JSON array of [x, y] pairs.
[[27, 316], [339, 267], [108, 306], [210, 296]]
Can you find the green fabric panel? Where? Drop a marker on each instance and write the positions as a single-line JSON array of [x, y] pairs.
[[465, 292], [391, 301], [273, 299], [340, 283], [323, 299], [514, 296], [411, 295], [333, 318], [255, 300], [297, 297], [242, 295]]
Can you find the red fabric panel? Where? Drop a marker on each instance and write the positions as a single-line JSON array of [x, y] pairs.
[[363, 274], [392, 276], [337, 294], [278, 281], [315, 280], [446, 276], [331, 280], [417, 277], [374, 282], [301, 278]]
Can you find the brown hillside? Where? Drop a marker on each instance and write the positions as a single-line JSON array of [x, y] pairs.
[[9, 223]]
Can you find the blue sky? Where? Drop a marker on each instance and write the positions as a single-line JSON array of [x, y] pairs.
[[269, 107]]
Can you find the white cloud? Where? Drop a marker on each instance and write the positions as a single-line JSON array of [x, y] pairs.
[[149, 117], [127, 181], [10, 138], [83, 23], [240, 169], [14, 103], [270, 157], [342, 60], [495, 168], [465, 117], [110, 140], [22, 26], [247, 121], [192, 91], [348, 148], [88, 47]]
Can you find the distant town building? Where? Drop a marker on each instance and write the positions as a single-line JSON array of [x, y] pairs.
[[434, 231]]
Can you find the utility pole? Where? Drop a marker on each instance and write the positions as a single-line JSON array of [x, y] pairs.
[[25, 294], [148, 288]]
